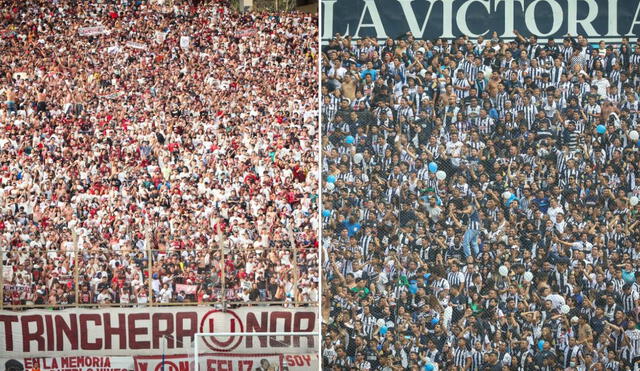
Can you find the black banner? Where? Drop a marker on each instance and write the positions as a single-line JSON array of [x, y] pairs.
[[607, 20]]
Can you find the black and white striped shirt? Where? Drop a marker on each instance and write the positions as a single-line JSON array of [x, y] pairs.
[[476, 360], [365, 244], [530, 112], [461, 82], [567, 52], [628, 301], [368, 324], [470, 69], [593, 109], [634, 341], [460, 356], [500, 99]]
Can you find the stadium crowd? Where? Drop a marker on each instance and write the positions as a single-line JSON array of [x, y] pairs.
[[480, 204], [157, 151]]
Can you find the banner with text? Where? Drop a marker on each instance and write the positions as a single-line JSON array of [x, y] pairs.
[[91, 31], [229, 362], [210, 362], [607, 20], [74, 363], [127, 331]]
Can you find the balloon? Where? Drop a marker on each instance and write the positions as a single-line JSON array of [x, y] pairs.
[[349, 139], [503, 271], [413, 289], [528, 276], [506, 195], [601, 129], [540, 344], [357, 158], [565, 309], [433, 167], [331, 179], [633, 200], [426, 276], [633, 135], [380, 322], [434, 321], [428, 367], [383, 330], [326, 213], [441, 175], [330, 186]]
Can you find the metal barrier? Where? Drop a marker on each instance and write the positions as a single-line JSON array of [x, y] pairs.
[[151, 257]]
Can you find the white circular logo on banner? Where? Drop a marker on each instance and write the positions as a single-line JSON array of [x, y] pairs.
[[217, 321]]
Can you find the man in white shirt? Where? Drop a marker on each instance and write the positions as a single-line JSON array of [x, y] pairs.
[[454, 149], [602, 84]]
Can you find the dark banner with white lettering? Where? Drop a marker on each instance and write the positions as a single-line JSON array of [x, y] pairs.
[[607, 20]]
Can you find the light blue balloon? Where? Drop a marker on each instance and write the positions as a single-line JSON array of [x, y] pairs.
[[326, 213], [428, 367], [331, 179], [434, 321], [349, 139], [540, 344], [433, 167], [383, 330], [601, 129], [413, 289]]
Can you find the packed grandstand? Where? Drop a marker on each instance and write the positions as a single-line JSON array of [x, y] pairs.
[[480, 204], [157, 153]]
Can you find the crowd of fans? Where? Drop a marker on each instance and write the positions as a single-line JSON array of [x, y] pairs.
[[480, 204], [157, 152]]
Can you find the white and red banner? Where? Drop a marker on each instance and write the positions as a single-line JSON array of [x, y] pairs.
[[208, 362], [140, 331], [91, 31], [18, 288], [180, 362], [188, 289], [244, 33], [73, 363], [160, 36], [228, 362], [136, 45]]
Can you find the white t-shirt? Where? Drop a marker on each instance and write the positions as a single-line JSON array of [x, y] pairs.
[[603, 85]]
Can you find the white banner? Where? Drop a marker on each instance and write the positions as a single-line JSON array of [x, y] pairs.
[[184, 42], [244, 33], [160, 37], [74, 363], [18, 288], [91, 31], [136, 45], [127, 331]]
